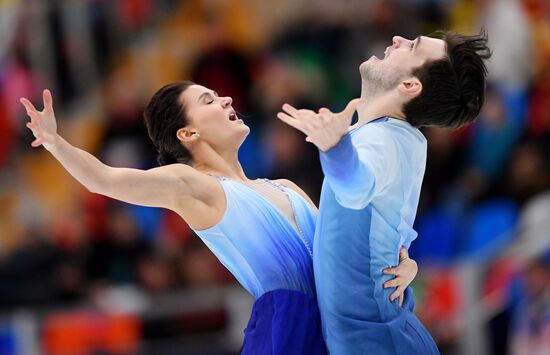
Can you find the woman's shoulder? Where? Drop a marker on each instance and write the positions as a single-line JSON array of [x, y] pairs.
[[201, 199]]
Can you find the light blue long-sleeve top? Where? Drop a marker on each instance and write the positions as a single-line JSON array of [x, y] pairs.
[[369, 198], [258, 245]]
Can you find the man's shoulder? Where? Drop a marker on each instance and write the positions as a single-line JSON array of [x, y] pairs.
[[371, 132]]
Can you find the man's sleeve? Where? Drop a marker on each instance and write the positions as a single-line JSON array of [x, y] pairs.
[[357, 173]]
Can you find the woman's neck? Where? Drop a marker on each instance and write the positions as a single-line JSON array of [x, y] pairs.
[[224, 163]]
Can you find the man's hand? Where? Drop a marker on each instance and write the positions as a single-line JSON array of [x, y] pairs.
[[325, 128], [404, 273]]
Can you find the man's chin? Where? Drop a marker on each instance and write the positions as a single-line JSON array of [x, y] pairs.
[[373, 59], [368, 64]]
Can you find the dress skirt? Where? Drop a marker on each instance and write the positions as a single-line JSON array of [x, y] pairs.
[[284, 322]]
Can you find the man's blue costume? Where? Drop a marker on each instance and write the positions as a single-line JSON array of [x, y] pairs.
[[368, 204]]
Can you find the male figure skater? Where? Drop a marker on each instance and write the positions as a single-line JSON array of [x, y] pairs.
[[373, 175]]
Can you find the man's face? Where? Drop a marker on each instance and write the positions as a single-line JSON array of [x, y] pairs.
[[400, 59]]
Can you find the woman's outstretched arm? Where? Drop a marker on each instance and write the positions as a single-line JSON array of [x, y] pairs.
[[197, 197]]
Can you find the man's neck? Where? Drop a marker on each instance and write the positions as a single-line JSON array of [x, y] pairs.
[[377, 106]]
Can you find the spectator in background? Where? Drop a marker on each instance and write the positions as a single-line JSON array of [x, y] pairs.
[[115, 259], [494, 136], [529, 168], [531, 322], [530, 327]]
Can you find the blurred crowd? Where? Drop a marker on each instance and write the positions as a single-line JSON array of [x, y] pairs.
[[483, 220]]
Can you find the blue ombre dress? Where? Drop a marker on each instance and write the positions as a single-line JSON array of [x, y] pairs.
[[272, 261]]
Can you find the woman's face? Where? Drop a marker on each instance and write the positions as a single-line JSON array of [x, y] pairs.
[[213, 118]]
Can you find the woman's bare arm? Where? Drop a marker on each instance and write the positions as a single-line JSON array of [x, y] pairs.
[[197, 197]]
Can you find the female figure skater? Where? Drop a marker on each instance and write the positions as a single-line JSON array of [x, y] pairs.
[[261, 230]]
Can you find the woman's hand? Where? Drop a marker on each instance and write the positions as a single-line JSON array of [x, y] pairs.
[[404, 273], [42, 124]]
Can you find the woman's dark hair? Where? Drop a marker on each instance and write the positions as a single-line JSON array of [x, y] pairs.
[[163, 116], [453, 88]]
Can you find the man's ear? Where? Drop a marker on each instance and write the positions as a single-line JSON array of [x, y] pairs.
[[187, 134], [411, 86]]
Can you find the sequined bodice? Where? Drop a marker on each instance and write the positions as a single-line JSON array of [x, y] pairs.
[[265, 236], [275, 194]]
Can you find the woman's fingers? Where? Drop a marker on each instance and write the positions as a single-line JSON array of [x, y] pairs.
[[31, 111], [397, 293], [392, 271], [35, 125], [396, 281], [35, 117], [28, 105], [401, 298], [399, 283], [48, 100], [403, 254], [37, 142], [32, 128]]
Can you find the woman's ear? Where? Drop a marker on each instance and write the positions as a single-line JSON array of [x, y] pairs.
[[187, 135], [411, 86]]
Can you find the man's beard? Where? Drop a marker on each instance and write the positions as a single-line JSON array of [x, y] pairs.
[[377, 80]]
